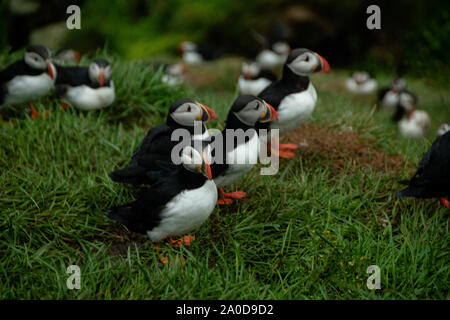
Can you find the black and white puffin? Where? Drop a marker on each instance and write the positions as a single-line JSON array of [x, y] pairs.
[[240, 151], [432, 178], [407, 102], [254, 79], [173, 73], [413, 123], [67, 56], [361, 83], [86, 88], [293, 96], [274, 56], [195, 54], [388, 96], [443, 128], [158, 145], [27, 79], [176, 204]]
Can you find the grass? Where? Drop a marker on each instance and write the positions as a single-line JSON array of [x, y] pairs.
[[305, 233]]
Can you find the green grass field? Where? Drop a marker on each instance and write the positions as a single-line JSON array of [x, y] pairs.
[[309, 232]]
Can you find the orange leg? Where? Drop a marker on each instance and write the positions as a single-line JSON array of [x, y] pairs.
[[445, 202], [282, 150], [186, 240], [33, 112], [64, 105], [226, 198]]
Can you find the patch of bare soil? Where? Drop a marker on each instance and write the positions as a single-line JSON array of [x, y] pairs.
[[341, 148], [125, 239]]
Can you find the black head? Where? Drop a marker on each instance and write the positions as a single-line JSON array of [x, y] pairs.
[[249, 110], [100, 71], [185, 111], [38, 59], [42, 51], [303, 61]]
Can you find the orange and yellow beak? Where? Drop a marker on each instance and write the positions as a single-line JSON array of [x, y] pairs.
[[205, 167], [207, 115], [324, 65], [270, 114], [50, 71], [101, 78]]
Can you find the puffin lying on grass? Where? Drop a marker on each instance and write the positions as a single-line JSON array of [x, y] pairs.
[[67, 56], [240, 151], [27, 79], [254, 79], [176, 204], [293, 96], [432, 178], [388, 97], [86, 88], [157, 144], [361, 83]]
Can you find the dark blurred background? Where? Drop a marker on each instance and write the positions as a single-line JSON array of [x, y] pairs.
[[414, 35]]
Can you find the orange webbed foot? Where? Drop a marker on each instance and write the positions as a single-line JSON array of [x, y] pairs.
[[445, 202], [288, 146], [33, 112]]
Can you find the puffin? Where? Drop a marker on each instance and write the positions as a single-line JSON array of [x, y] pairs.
[[293, 96], [184, 113], [67, 56], [407, 102], [273, 56], [28, 79], [361, 83], [388, 96], [86, 88], [414, 123], [254, 79], [443, 128], [173, 73], [237, 147], [432, 178], [175, 204], [196, 54]]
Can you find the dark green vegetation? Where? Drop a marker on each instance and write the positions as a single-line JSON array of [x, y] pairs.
[[307, 232]]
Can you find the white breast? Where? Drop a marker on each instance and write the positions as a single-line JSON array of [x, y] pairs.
[[253, 87], [186, 212], [87, 98], [370, 86], [240, 161], [415, 126], [390, 99], [268, 59], [192, 58], [23, 89], [295, 109]]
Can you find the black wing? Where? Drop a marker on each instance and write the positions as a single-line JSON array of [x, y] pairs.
[[432, 178], [143, 214], [72, 76]]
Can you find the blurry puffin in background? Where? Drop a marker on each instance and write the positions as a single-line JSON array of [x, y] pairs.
[[276, 47], [388, 96], [293, 96], [240, 153], [158, 145], [361, 83], [432, 178], [196, 54], [443, 128], [254, 79], [413, 123], [173, 73], [27, 79], [67, 56], [176, 204], [86, 88]]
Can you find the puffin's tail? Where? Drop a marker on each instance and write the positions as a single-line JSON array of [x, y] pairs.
[[410, 192], [131, 174], [123, 214]]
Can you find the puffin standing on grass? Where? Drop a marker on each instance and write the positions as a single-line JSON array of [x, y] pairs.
[[158, 145], [196, 54], [254, 79], [239, 142], [27, 79], [361, 83], [176, 204], [388, 97], [86, 88], [443, 128], [414, 123], [432, 178], [293, 96]]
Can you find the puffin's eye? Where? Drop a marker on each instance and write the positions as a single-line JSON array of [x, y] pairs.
[[257, 107], [307, 58], [189, 110]]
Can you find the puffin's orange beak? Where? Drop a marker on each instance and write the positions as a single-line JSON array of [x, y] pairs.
[[211, 114], [271, 116], [324, 63], [207, 169], [50, 70], [101, 79]]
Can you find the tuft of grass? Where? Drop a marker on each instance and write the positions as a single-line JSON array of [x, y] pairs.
[[304, 233]]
